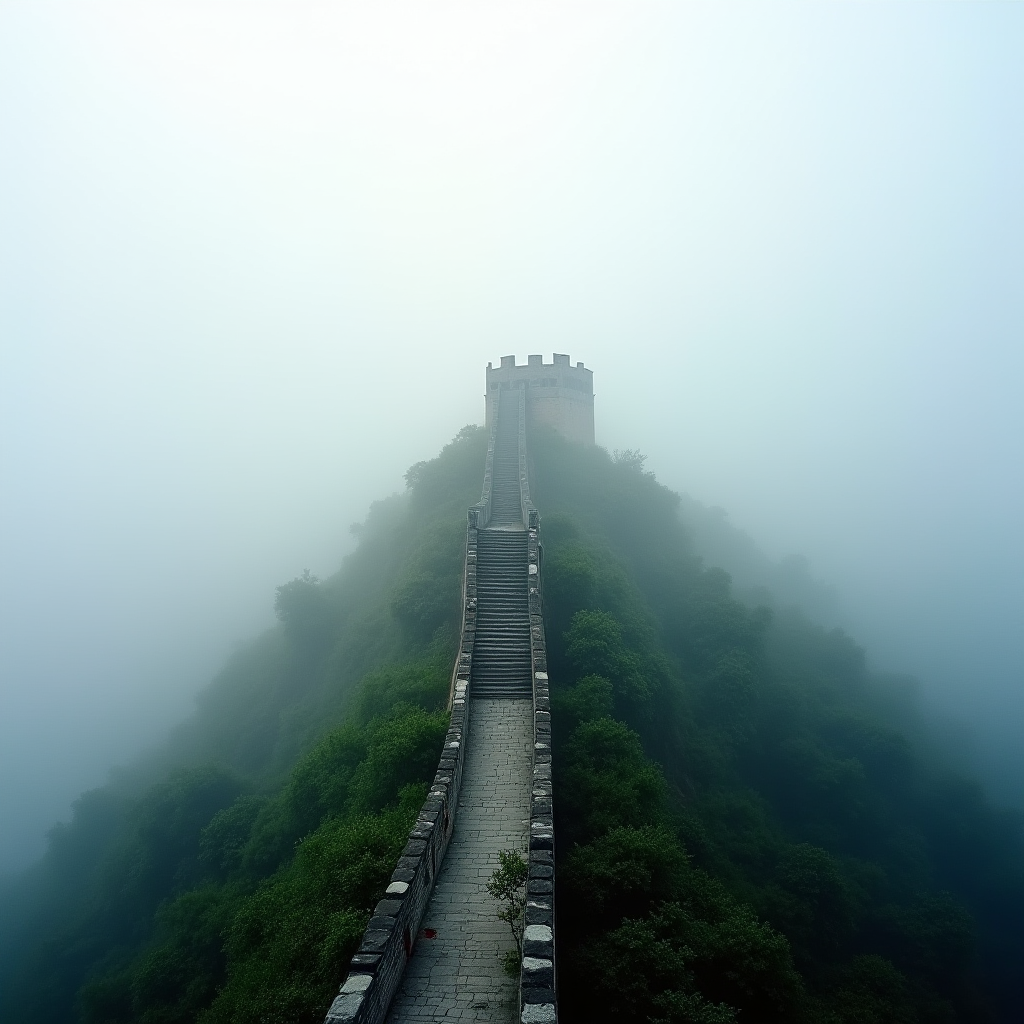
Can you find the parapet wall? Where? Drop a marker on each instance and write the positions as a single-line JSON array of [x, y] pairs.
[[376, 969], [538, 1002], [558, 394], [480, 513]]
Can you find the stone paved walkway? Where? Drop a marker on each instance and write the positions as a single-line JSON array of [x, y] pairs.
[[457, 976]]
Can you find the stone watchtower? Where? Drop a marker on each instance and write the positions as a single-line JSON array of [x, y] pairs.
[[557, 394]]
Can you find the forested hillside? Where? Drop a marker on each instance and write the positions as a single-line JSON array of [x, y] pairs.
[[230, 875], [747, 827]]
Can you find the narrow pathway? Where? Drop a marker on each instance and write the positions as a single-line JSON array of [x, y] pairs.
[[457, 974], [455, 970], [506, 495]]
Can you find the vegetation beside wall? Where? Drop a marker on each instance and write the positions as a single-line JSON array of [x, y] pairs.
[[746, 829], [229, 876]]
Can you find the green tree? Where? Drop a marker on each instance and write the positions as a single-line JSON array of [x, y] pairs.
[[606, 780], [507, 885]]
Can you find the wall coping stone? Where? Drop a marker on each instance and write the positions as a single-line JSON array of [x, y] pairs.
[[538, 976], [539, 1013]]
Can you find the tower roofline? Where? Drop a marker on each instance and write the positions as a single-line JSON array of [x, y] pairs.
[[557, 393], [559, 359]]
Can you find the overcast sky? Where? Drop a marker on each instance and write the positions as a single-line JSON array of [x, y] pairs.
[[254, 258]]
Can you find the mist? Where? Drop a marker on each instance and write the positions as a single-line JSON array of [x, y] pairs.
[[254, 259]]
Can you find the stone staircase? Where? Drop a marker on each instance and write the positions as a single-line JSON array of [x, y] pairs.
[[506, 497], [501, 655]]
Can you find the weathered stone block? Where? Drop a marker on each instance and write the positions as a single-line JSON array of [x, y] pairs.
[[344, 1008], [374, 940], [538, 994], [356, 983], [538, 941], [537, 972], [538, 1013], [536, 914], [365, 962]]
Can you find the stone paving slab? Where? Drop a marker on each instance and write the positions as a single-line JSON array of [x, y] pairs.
[[457, 976]]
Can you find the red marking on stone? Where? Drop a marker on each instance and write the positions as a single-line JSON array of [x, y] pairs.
[[429, 933]]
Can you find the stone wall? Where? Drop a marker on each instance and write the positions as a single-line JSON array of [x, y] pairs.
[[538, 1003], [377, 967], [480, 513]]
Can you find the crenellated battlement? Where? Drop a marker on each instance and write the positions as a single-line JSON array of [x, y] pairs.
[[557, 393]]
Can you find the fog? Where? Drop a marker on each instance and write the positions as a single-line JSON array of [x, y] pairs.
[[255, 257]]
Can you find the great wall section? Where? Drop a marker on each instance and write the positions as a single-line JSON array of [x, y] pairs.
[[432, 949]]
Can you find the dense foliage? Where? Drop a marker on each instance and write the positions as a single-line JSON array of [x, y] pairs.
[[229, 877], [746, 829]]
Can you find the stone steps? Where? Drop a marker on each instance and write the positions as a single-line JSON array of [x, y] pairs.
[[501, 651], [506, 500]]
